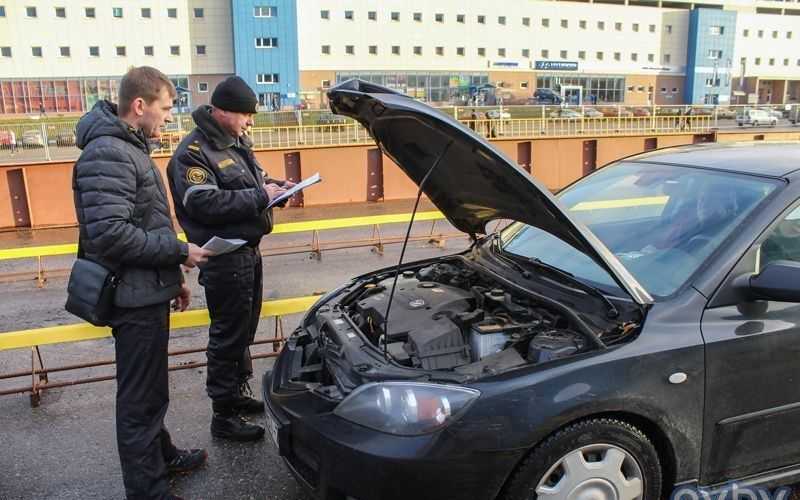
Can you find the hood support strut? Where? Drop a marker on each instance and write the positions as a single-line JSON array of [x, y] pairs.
[[403, 251]]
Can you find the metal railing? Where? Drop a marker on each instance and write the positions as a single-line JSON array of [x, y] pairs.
[[54, 139]]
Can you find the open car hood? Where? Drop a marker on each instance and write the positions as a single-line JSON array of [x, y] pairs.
[[473, 183]]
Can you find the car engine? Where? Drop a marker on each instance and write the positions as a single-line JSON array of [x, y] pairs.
[[447, 316]]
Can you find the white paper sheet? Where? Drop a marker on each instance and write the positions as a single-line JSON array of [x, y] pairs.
[[220, 246], [295, 189]]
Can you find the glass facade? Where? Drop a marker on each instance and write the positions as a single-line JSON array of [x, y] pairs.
[[606, 89], [448, 87]]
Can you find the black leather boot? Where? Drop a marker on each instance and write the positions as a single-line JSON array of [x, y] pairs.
[[228, 424], [247, 404]]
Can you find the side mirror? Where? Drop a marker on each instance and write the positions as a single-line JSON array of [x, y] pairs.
[[779, 280]]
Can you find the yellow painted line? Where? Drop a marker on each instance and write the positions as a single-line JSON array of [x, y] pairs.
[[624, 203], [285, 228], [189, 319]]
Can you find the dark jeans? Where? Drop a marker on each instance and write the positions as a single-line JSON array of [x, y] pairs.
[[232, 284], [141, 337]]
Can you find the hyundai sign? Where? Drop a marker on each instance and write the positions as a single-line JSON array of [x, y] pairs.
[[557, 65]]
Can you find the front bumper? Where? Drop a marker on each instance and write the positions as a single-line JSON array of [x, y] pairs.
[[336, 459]]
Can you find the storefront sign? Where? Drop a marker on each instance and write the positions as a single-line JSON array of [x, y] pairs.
[[505, 64], [557, 65]]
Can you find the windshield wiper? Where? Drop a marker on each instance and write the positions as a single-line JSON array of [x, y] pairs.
[[499, 253], [612, 310]]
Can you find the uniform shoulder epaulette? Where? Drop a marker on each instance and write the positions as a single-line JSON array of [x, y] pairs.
[[195, 146]]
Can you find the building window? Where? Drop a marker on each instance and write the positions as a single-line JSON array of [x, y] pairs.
[[545, 54], [582, 55], [563, 54], [199, 13], [64, 51], [89, 12], [266, 42], [2, 11], [582, 24], [417, 50], [652, 28], [745, 33], [714, 54], [30, 11], [631, 88], [325, 14], [439, 18], [481, 19], [501, 52], [526, 21], [461, 18], [373, 50], [61, 12], [5, 51], [172, 13], [618, 26], [798, 62], [146, 13], [267, 78], [634, 57], [564, 23], [758, 61], [202, 87], [667, 58], [523, 85], [599, 56], [635, 27], [326, 49], [200, 50], [267, 11], [651, 58], [617, 56], [175, 50], [545, 22], [788, 35], [395, 50], [94, 51], [772, 61], [439, 51], [417, 17], [668, 29], [121, 51], [396, 16], [348, 14], [481, 52], [350, 50], [460, 51], [760, 33], [501, 20], [526, 53], [372, 15], [325, 84], [36, 51], [774, 34], [148, 50], [786, 62], [601, 25]]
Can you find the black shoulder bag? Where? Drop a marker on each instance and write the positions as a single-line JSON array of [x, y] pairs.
[[91, 289]]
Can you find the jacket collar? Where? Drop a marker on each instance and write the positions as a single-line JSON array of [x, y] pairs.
[[218, 137]]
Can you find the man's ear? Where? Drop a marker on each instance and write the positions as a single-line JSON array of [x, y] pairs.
[[137, 106]]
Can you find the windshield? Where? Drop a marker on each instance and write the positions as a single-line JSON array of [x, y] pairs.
[[660, 221]]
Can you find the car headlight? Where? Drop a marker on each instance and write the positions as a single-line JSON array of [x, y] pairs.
[[406, 408]]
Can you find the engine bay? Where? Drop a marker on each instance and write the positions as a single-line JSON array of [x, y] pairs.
[[448, 316]]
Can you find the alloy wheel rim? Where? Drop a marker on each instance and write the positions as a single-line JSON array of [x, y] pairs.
[[594, 472]]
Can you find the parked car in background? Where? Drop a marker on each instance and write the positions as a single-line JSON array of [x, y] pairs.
[[496, 114], [756, 118], [592, 113], [333, 121], [726, 113], [777, 113], [32, 139], [65, 138], [641, 112], [545, 96], [8, 139]]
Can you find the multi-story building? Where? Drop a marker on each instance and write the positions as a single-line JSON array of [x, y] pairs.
[[607, 51], [64, 55]]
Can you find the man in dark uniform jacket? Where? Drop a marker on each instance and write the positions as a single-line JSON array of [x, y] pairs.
[[125, 224], [219, 189]]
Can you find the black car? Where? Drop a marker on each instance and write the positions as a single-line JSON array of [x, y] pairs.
[[637, 334], [545, 96]]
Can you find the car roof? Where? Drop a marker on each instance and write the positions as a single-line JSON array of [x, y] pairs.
[[771, 159]]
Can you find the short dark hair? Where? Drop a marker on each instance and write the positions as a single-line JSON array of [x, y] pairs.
[[145, 82]]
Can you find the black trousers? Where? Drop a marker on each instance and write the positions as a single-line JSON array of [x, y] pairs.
[[232, 284], [141, 336]]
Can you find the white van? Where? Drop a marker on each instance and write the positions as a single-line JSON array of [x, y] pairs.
[[756, 117]]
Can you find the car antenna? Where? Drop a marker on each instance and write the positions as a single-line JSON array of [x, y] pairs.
[[403, 251]]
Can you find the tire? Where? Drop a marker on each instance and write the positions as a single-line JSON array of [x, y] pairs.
[[755, 124], [542, 475]]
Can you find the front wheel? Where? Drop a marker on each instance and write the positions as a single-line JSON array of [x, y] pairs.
[[599, 459]]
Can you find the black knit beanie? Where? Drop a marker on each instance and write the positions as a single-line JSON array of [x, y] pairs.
[[233, 94]]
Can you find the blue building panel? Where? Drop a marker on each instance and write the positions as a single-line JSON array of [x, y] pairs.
[[270, 21], [709, 59]]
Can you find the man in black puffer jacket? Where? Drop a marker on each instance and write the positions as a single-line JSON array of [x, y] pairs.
[[125, 224]]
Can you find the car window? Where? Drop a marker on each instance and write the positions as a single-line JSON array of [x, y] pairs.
[[661, 222], [783, 241]]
